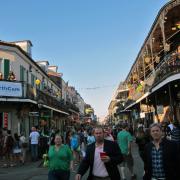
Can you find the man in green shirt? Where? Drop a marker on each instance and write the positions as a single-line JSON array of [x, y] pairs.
[[124, 140]]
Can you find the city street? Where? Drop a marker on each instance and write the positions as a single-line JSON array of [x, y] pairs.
[[33, 171]]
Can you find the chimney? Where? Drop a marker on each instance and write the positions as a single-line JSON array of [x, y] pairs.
[[24, 45]]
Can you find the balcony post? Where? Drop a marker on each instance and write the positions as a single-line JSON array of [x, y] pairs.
[[170, 101]]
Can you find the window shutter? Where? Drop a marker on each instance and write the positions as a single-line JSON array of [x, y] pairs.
[[21, 73], [32, 80], [6, 68]]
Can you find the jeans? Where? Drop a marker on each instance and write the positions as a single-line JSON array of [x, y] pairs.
[[58, 175], [34, 151]]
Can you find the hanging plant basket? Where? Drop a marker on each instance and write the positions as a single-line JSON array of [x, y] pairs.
[[151, 67], [167, 47], [135, 76], [157, 59]]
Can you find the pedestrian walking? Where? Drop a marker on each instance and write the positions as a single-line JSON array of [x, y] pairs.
[[75, 147], [16, 149], [161, 160], [68, 138], [141, 139], [124, 140], [34, 138], [102, 157], [1, 143], [175, 133], [107, 135], [24, 146], [8, 148], [60, 160], [90, 138]]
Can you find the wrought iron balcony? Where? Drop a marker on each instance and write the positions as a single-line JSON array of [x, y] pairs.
[[169, 67]]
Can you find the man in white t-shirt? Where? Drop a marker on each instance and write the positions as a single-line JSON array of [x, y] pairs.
[[34, 137]]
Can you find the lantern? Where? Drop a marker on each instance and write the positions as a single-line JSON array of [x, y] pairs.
[[167, 47], [151, 66], [147, 59], [135, 76], [37, 82], [157, 59]]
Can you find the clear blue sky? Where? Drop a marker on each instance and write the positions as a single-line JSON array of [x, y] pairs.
[[94, 42]]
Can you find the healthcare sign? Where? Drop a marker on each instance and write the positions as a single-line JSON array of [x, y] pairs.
[[10, 89]]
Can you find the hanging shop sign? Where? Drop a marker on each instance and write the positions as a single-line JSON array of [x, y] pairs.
[[5, 120], [11, 89], [160, 109], [34, 114]]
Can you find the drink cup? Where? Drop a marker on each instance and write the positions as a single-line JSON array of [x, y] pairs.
[[102, 154]]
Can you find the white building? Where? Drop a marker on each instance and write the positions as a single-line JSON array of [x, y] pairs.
[[28, 96]]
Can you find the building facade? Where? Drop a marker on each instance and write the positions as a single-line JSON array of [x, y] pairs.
[[32, 93], [154, 79]]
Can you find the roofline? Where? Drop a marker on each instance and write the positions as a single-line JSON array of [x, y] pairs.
[[53, 66], [150, 31], [41, 61], [23, 52], [22, 41]]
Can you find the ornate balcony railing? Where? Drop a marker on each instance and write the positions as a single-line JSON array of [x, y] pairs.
[[170, 67]]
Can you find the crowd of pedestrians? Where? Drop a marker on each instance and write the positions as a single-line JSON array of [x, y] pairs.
[[12, 148], [105, 151]]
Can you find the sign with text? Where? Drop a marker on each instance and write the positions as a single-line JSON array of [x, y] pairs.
[[34, 114], [12, 89], [5, 120]]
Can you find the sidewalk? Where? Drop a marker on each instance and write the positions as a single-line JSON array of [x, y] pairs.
[[28, 162]]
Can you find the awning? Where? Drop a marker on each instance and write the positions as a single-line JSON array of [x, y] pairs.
[[124, 111], [131, 105], [166, 81], [143, 97], [71, 110], [139, 100], [18, 100], [57, 110]]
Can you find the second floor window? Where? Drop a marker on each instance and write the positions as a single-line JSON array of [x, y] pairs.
[[6, 68]]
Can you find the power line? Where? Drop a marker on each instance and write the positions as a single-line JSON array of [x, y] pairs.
[[97, 87]]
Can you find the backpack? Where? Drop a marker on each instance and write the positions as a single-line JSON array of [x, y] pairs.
[[90, 140], [74, 143]]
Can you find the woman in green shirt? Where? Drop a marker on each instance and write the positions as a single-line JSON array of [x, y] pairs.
[[60, 160]]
